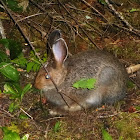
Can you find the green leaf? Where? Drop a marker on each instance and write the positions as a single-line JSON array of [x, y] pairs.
[[35, 67], [4, 57], [102, 2], [12, 107], [134, 10], [13, 89], [38, 67], [9, 90], [9, 135], [138, 108], [26, 89], [106, 135], [85, 83], [57, 126], [23, 116], [25, 137], [9, 71], [20, 60], [130, 84], [5, 42], [29, 66]]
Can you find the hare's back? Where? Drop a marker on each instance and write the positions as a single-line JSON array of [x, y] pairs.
[[89, 64]]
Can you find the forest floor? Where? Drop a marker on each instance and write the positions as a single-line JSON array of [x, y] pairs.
[[85, 25]]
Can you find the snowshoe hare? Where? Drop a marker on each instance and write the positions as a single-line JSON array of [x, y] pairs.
[[110, 77]]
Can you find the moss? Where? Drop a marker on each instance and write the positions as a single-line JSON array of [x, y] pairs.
[[61, 134], [128, 126]]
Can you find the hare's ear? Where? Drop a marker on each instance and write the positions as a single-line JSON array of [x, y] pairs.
[[60, 52], [54, 35]]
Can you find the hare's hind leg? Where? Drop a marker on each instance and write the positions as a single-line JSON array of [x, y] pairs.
[[107, 89], [112, 85]]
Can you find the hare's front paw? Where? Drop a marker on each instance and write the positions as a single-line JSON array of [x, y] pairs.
[[53, 112], [74, 107]]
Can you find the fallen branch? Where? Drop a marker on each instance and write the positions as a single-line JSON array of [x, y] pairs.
[[132, 69], [26, 113], [123, 20], [107, 116], [126, 29]]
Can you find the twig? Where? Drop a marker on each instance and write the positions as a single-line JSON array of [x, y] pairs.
[[54, 118], [46, 131], [26, 113], [125, 29], [135, 82], [43, 10], [9, 114], [107, 116], [94, 9], [131, 28], [78, 25], [31, 16], [84, 11]]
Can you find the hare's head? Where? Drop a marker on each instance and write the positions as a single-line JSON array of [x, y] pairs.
[[56, 70]]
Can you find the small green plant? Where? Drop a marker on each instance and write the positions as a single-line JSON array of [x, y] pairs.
[[57, 126], [34, 63], [8, 68], [21, 61], [128, 126], [134, 10], [11, 134], [85, 83], [13, 5], [17, 57], [59, 131], [106, 135], [16, 93]]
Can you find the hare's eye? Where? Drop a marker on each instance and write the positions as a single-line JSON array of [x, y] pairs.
[[47, 76]]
